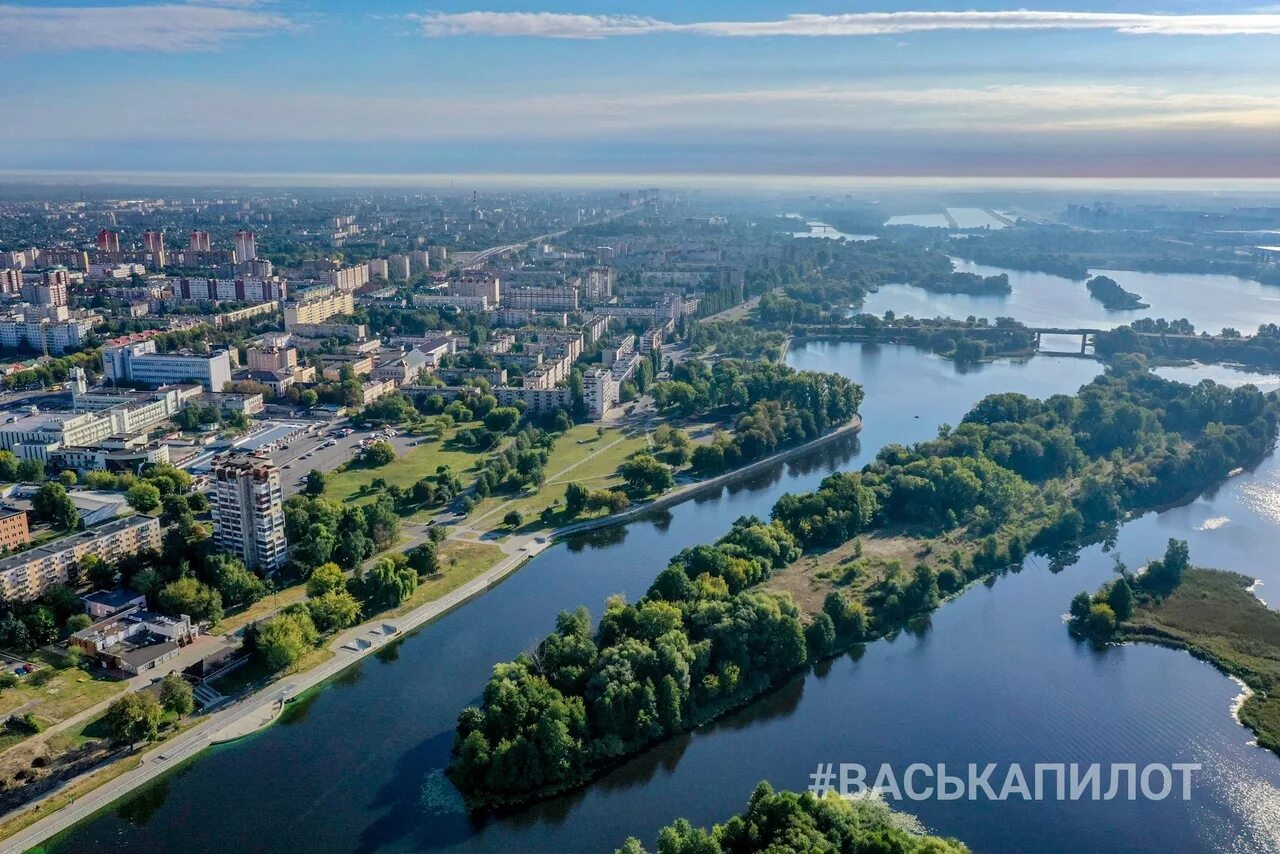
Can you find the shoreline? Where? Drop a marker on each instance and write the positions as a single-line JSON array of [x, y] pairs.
[[162, 757]]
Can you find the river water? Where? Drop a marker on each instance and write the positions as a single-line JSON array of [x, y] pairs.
[[993, 677], [1043, 299]]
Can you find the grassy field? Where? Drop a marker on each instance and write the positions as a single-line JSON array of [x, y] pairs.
[[404, 471], [261, 609], [1213, 615], [55, 692], [460, 562], [579, 455]]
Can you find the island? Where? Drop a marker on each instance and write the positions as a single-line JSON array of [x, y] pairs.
[[1106, 291], [968, 283], [1210, 613], [856, 560], [786, 821]]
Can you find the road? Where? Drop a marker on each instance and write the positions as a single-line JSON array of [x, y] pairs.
[[479, 259], [293, 468], [162, 757]]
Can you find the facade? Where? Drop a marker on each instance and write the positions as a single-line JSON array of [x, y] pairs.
[[248, 511], [136, 640], [108, 241], [466, 303], [14, 531], [246, 245], [17, 331], [153, 245], [560, 298], [599, 392], [598, 284], [478, 285], [378, 268], [317, 309], [141, 363], [398, 267], [27, 575], [199, 242], [238, 290], [273, 359]]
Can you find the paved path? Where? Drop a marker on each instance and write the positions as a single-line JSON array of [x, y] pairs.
[[349, 647]]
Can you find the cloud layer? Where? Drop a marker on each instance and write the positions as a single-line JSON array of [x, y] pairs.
[[168, 28], [572, 26]]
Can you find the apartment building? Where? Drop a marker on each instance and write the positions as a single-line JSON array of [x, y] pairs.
[[25, 576], [559, 298], [14, 530], [141, 363], [317, 308], [248, 510]]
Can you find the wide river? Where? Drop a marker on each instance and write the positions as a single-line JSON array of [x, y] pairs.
[[994, 677], [1043, 299]]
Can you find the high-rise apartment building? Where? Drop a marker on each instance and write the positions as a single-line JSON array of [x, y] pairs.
[[248, 510], [153, 243], [108, 241], [246, 245], [199, 242]]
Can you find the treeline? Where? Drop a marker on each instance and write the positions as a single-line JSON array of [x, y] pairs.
[[736, 340], [968, 283], [1017, 475], [970, 340], [775, 406], [982, 251], [1174, 340], [320, 531], [1098, 616], [785, 822]]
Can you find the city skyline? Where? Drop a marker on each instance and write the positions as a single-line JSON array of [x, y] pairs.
[[1115, 90]]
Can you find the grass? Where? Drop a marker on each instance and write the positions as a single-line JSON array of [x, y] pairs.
[[264, 607], [352, 485], [460, 562], [1214, 616], [571, 460], [56, 692]]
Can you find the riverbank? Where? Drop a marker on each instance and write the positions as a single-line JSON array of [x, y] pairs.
[[1215, 616], [237, 720]]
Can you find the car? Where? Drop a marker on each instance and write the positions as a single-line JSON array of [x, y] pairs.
[[288, 465]]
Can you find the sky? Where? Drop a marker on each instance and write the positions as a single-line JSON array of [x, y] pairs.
[[1076, 89]]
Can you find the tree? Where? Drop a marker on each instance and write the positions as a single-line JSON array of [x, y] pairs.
[[1120, 598], [176, 695], [237, 585], [187, 596], [646, 474], [502, 418], [285, 638], [334, 610], [134, 717], [315, 483], [1101, 622], [52, 504], [1080, 605], [388, 584], [325, 579], [30, 471], [513, 519], [143, 496], [380, 453], [424, 559], [77, 623], [575, 498], [68, 477]]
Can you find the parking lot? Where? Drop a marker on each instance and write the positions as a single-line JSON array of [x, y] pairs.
[[294, 467]]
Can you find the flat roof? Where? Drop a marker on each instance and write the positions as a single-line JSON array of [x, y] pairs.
[[277, 431], [63, 543]]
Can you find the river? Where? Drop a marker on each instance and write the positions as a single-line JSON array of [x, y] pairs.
[[993, 677], [1211, 302]]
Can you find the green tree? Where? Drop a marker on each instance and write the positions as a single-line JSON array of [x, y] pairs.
[[389, 585], [176, 695], [315, 483], [143, 496], [575, 498], [134, 717], [188, 596], [285, 638], [424, 559], [513, 519], [52, 504], [646, 474], [380, 453], [1120, 598], [326, 578], [334, 610], [502, 418]]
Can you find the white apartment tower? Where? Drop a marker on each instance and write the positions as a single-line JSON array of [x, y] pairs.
[[248, 511], [246, 246]]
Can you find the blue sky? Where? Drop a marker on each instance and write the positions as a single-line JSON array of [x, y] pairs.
[[924, 88]]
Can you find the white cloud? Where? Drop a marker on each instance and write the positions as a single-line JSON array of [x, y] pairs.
[[570, 26], [170, 28]]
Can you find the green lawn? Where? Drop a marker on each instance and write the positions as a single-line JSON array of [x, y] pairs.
[[56, 692], [264, 607], [571, 460], [460, 562], [404, 471]]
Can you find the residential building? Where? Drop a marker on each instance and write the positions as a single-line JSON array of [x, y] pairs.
[[153, 245], [141, 363], [273, 359], [559, 298], [477, 285], [14, 530], [26, 575], [248, 510], [246, 245], [398, 267], [317, 308], [466, 303], [350, 331], [402, 369], [56, 336], [599, 392], [246, 289], [199, 242], [378, 268], [597, 284], [108, 241]]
